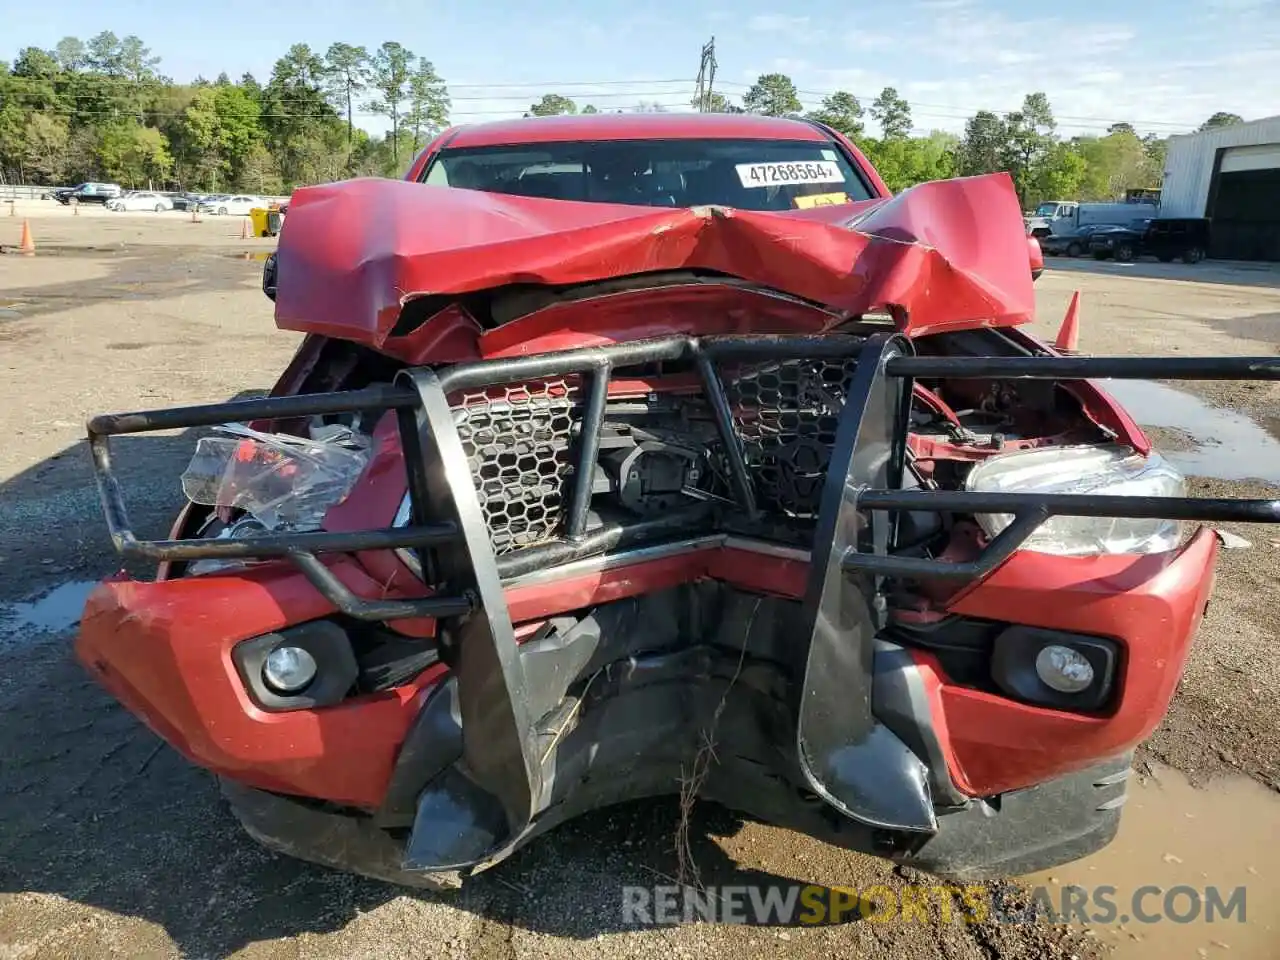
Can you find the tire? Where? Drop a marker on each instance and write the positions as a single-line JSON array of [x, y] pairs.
[[1124, 253], [1194, 255], [222, 211], [159, 208], [1074, 249]]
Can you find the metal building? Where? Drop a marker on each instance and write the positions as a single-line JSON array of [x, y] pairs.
[[1231, 175]]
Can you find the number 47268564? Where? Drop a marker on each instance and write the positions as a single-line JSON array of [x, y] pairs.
[[777, 174]]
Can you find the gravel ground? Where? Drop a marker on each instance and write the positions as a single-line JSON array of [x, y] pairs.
[[113, 845]]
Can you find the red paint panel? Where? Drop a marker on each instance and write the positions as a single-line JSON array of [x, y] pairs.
[[1152, 605], [949, 255], [164, 650]]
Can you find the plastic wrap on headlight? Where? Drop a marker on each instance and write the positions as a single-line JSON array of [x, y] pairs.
[[1110, 470]]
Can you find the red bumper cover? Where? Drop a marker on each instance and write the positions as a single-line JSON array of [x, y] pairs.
[[164, 649]]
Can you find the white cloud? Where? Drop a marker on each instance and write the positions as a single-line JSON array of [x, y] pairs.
[[776, 23]]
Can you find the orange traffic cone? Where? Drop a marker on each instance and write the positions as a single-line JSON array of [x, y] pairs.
[[28, 245], [244, 232], [1069, 332]]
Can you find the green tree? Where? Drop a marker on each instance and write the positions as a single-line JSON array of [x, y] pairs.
[[429, 104], [1115, 163], [348, 74], [1060, 173], [589, 109], [133, 154], [716, 103], [259, 172], [905, 161], [390, 70], [297, 114], [136, 61], [1221, 119], [1029, 141], [551, 105], [71, 54], [1122, 127], [841, 111], [774, 95], [35, 64], [44, 146], [105, 55], [983, 145], [893, 114]]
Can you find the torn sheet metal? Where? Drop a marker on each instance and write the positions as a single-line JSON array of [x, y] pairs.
[[948, 255]]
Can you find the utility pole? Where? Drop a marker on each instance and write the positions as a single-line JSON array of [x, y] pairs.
[[706, 76]]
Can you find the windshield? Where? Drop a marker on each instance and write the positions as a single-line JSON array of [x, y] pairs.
[[1046, 210], [746, 174]]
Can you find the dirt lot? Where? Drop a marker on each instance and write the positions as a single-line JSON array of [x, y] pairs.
[[113, 845]]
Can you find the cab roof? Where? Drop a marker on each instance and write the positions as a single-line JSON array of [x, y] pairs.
[[631, 126]]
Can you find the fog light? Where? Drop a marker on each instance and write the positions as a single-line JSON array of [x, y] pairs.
[[288, 670], [1064, 669]]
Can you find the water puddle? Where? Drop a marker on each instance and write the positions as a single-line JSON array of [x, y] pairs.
[[1228, 445], [250, 255], [55, 612], [61, 250], [1180, 849]]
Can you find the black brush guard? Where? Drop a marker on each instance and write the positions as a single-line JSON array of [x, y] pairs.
[[494, 795]]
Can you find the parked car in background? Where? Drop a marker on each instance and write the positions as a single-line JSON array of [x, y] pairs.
[[141, 200], [91, 192], [185, 201], [231, 204], [1066, 216], [1166, 239], [1076, 242]]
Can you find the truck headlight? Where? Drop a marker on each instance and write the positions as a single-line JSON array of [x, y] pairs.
[[1112, 470]]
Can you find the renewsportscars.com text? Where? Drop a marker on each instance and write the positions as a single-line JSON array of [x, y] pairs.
[[813, 905]]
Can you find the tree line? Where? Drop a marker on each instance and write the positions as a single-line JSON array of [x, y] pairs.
[[101, 110], [1024, 142]]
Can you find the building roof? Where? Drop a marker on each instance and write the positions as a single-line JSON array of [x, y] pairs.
[[633, 126], [1245, 131]]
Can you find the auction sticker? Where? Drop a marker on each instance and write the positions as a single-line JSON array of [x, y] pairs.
[[779, 174], [811, 200]]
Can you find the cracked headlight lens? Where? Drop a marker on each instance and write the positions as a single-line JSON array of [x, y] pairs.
[[1110, 470]]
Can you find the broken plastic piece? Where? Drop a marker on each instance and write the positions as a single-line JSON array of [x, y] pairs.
[[282, 481]]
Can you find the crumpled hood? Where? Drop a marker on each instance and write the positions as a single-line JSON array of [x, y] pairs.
[[946, 255]]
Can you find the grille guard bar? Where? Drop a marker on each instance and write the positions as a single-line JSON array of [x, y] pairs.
[[478, 809]]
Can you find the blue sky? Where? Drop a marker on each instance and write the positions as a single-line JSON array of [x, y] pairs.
[[1163, 66]]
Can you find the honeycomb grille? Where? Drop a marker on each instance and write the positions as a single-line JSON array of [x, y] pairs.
[[519, 445], [787, 414]]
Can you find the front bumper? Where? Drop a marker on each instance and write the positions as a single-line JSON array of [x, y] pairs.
[[516, 736], [1033, 829]]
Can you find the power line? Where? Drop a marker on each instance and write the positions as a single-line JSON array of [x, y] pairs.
[[706, 78], [952, 111]]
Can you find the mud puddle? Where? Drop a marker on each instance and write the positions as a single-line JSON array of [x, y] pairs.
[[1183, 853], [61, 250], [1227, 445], [56, 611], [249, 255]]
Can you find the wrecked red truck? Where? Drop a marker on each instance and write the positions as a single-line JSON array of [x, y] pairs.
[[613, 438]]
